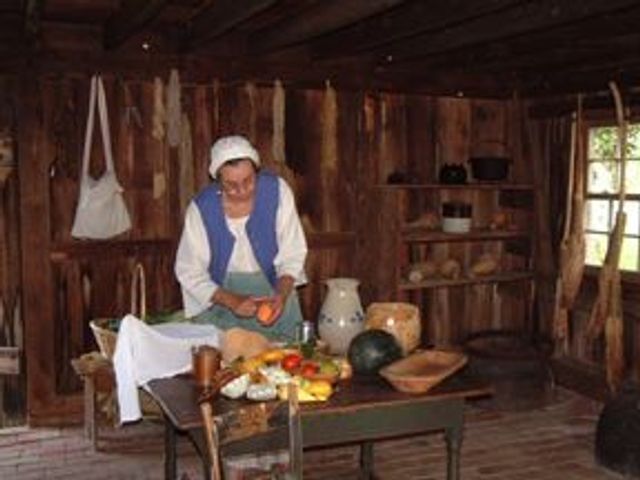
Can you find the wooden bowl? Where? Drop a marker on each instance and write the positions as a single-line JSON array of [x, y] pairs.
[[421, 371]]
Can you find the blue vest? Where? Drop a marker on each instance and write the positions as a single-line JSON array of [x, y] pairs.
[[260, 227]]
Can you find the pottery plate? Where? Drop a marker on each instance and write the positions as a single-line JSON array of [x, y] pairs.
[[421, 371]]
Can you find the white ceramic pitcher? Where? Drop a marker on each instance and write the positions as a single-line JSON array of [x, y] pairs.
[[341, 317]]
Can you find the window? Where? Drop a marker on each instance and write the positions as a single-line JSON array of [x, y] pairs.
[[603, 181]]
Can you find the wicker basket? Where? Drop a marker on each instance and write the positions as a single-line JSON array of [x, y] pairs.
[[103, 329], [105, 336]]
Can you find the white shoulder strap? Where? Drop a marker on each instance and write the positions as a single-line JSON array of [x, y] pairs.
[[104, 126], [97, 95], [88, 135]]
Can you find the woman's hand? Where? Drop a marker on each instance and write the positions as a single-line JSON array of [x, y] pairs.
[[240, 305], [268, 310], [245, 306], [271, 308]]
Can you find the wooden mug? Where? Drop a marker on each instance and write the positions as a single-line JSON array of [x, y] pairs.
[[206, 364]]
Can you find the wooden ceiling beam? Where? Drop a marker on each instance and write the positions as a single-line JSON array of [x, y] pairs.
[[326, 16], [607, 33], [412, 19], [130, 20], [220, 17], [525, 19], [589, 79]]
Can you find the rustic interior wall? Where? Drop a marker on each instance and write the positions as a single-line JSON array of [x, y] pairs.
[[580, 360], [337, 148], [12, 386]]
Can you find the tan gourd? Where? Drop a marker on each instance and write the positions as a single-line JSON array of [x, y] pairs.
[[486, 264], [450, 269], [238, 342]]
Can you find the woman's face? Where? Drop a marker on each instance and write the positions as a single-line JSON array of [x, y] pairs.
[[238, 180]]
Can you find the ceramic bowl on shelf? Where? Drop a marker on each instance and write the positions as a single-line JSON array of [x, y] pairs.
[[456, 217], [456, 225]]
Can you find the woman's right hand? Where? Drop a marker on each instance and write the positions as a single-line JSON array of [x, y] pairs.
[[245, 306], [240, 305]]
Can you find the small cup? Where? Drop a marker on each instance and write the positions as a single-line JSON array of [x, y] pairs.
[[305, 332], [206, 364]]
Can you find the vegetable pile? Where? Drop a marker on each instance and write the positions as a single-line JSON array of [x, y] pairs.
[[266, 376]]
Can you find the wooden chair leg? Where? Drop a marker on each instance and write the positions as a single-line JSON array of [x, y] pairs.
[[90, 414], [210, 433]]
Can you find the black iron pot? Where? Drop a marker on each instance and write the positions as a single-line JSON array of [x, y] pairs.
[[452, 174], [490, 169]]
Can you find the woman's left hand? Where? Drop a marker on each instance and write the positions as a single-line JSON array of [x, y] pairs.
[[269, 309]]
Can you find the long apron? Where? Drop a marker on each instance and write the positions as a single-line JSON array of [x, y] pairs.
[[254, 284]]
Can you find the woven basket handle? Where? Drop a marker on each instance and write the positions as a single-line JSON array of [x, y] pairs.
[[139, 292]]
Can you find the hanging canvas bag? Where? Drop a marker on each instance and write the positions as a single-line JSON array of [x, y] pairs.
[[101, 212]]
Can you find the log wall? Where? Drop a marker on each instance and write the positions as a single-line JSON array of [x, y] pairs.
[[335, 153], [12, 384]]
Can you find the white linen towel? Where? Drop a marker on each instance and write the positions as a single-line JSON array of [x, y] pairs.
[[145, 352]]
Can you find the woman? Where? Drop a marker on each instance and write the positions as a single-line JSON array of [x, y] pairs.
[[242, 245]]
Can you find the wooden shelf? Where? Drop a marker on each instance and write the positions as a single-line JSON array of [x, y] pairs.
[[503, 277], [321, 240], [79, 249], [466, 186], [414, 234]]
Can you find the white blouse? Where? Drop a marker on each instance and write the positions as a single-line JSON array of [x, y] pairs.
[[193, 256]]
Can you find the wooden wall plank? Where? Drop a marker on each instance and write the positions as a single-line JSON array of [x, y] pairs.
[[36, 271]]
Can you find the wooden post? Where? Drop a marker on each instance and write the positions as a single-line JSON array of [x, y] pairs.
[[38, 308]]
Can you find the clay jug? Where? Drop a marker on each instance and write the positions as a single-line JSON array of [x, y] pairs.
[[341, 317]]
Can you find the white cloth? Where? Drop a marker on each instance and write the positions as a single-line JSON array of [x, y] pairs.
[[193, 256], [101, 212], [144, 352]]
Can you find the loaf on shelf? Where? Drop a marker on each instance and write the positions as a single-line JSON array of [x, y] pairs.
[[486, 264], [420, 271]]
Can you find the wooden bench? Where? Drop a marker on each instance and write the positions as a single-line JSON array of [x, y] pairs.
[[98, 378]]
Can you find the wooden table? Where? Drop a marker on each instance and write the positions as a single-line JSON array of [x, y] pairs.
[[357, 413]]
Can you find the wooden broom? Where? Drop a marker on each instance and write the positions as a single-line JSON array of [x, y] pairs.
[[572, 247], [607, 309]]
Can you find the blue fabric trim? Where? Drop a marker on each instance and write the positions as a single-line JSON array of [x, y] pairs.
[[261, 227]]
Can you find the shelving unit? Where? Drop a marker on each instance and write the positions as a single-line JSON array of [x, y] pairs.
[[454, 307]]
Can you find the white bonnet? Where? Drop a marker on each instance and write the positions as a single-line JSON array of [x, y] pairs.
[[230, 148]]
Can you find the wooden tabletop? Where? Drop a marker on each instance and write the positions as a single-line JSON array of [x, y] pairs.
[[178, 397]]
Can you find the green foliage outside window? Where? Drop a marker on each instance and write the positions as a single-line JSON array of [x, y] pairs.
[[603, 183]]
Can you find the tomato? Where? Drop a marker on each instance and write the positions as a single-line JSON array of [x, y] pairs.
[[291, 362], [309, 369]]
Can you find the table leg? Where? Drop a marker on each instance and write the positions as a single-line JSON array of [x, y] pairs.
[[170, 467], [366, 460], [453, 437], [90, 410]]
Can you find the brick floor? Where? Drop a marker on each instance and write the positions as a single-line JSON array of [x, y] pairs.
[[553, 441]]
